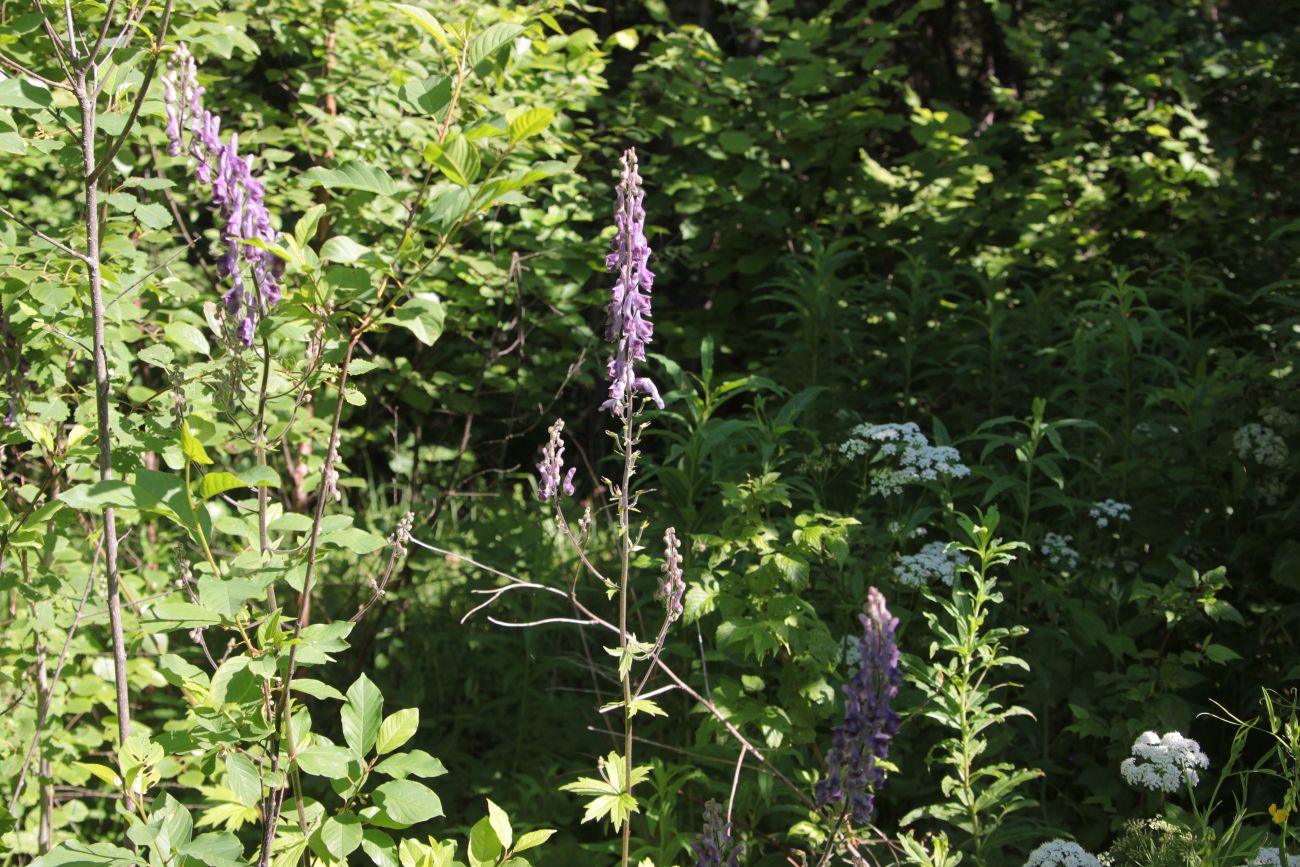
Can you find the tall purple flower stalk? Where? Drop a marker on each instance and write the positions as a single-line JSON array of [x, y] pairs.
[[238, 195], [715, 848], [869, 718], [629, 306]]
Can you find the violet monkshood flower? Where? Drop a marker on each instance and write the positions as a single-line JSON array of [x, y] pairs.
[[629, 307], [238, 195], [869, 718], [714, 847]]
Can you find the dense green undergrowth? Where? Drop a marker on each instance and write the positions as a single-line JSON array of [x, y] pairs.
[[988, 306]]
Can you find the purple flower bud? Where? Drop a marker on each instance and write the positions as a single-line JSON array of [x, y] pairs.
[[869, 719], [628, 322], [672, 587], [552, 465]]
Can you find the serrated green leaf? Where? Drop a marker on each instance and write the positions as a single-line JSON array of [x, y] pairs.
[[491, 40], [458, 158], [242, 779], [428, 96]]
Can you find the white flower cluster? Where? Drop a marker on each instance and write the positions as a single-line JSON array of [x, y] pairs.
[[1161, 764], [935, 560], [918, 461], [1109, 510], [1278, 418], [1271, 856], [1261, 444], [1061, 853], [1059, 551]]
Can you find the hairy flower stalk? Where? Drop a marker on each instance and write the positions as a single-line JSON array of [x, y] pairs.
[[629, 306], [237, 193], [869, 718], [672, 587]]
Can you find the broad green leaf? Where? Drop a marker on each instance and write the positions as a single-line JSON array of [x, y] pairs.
[[428, 24], [352, 175], [341, 248], [354, 539], [325, 761], [218, 483], [306, 225], [492, 40], [397, 729], [423, 315], [484, 845], [361, 715], [500, 823], [457, 157], [82, 854], [316, 688], [93, 497], [192, 448], [416, 763], [429, 96], [380, 848], [182, 615], [21, 93], [243, 779], [530, 123], [186, 336], [533, 838], [341, 835], [407, 802]]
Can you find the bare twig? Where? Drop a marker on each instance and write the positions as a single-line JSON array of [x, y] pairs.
[[58, 245]]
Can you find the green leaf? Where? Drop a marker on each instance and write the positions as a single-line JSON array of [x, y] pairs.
[[79, 854], [407, 802], [352, 175], [429, 96], [325, 761], [397, 729], [186, 336], [242, 779], [361, 715], [154, 216], [306, 225], [192, 448], [530, 123], [354, 539], [380, 848], [423, 315], [218, 483], [427, 23], [500, 823], [316, 688], [492, 40], [416, 763], [534, 838], [341, 248], [484, 845], [457, 157], [182, 615], [734, 142], [341, 835], [21, 93], [96, 496]]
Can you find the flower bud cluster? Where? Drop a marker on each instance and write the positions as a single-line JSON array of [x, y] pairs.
[[552, 466], [672, 587], [715, 848], [1059, 550]]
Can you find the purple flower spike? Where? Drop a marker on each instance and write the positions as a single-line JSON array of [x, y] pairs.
[[715, 847], [629, 307], [869, 718], [238, 195]]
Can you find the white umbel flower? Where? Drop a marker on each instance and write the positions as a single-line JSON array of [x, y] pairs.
[[1061, 853], [1261, 444], [1271, 856], [1106, 511], [935, 560], [1161, 764]]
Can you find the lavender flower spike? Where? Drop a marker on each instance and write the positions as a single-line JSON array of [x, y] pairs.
[[672, 587], [629, 307], [235, 191], [869, 719]]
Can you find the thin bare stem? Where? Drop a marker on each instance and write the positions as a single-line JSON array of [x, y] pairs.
[[58, 245]]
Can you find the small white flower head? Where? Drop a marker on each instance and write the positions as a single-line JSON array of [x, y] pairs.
[[1162, 764], [936, 560], [908, 450], [1278, 418], [1106, 511], [1261, 444], [1059, 551], [1061, 853], [1271, 856]]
